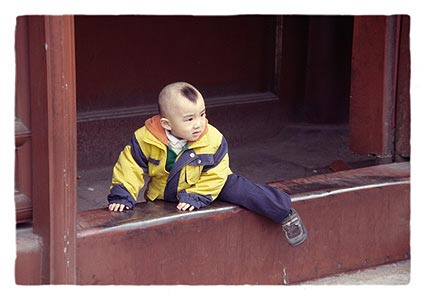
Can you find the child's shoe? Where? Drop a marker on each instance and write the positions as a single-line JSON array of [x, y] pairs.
[[294, 228]]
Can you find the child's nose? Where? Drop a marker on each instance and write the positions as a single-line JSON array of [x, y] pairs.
[[198, 124]]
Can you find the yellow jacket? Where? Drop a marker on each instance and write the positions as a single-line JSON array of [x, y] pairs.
[[196, 178]]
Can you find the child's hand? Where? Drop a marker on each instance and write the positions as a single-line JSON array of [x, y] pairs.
[[184, 206], [117, 207]]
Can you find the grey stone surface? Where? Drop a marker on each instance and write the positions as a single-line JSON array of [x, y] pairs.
[[390, 274], [297, 151]]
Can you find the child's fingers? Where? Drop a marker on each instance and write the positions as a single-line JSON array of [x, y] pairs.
[[117, 207], [180, 205], [184, 206]]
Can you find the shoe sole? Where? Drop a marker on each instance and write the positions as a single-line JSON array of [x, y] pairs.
[[302, 237]]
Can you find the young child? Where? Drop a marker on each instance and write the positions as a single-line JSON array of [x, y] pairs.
[[187, 162]]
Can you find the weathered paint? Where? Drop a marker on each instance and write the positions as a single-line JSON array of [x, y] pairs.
[[225, 244], [373, 84]]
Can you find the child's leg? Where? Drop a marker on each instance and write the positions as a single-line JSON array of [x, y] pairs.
[[267, 201], [260, 198]]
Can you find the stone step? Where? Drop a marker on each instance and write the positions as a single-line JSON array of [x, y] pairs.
[[355, 219]]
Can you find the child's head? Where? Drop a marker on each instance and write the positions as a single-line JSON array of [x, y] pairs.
[[182, 110]]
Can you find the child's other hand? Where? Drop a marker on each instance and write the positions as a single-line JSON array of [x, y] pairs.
[[117, 207], [184, 206]]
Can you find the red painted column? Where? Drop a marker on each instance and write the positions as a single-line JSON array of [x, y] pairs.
[[60, 55], [373, 85], [54, 161], [402, 130]]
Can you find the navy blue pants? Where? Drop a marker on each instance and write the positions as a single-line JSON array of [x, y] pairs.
[[259, 198]]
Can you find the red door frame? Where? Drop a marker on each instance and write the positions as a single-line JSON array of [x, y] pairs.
[[54, 153], [380, 80]]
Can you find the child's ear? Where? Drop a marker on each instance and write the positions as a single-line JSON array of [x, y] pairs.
[[165, 123]]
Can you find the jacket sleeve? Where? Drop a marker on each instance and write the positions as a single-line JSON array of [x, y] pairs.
[[127, 177], [211, 181]]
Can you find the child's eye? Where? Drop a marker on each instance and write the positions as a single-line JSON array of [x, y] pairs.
[[189, 120]]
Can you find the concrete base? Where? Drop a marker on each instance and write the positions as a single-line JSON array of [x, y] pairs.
[[397, 273]]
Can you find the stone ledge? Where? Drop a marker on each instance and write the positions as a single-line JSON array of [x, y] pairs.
[[356, 219]]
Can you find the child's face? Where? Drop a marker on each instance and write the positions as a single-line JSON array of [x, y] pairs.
[[186, 119]]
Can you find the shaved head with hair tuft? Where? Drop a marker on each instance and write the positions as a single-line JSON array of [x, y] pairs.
[[174, 91]]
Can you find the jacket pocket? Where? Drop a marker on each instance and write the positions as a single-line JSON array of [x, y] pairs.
[[155, 167], [192, 174]]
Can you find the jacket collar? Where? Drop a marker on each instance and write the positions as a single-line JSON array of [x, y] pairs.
[[155, 128]]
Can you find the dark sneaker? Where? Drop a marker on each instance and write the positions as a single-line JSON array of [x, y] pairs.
[[294, 228]]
